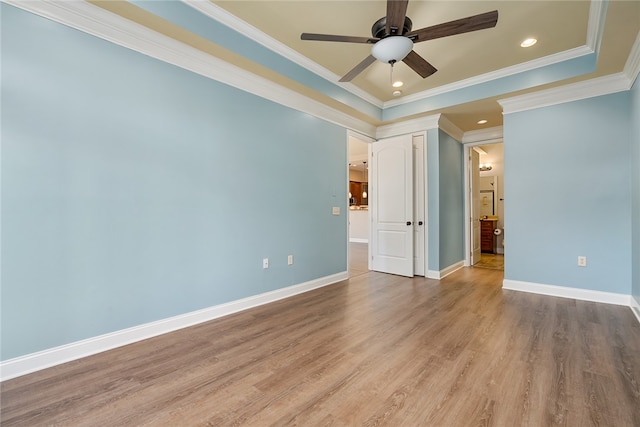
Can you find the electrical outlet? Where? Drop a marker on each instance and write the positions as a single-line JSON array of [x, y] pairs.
[[265, 263], [582, 261], [335, 210], [290, 260]]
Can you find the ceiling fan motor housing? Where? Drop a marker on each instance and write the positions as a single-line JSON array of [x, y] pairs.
[[379, 28], [396, 44]]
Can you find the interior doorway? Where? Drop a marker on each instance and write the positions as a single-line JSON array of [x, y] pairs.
[[485, 203], [358, 203]]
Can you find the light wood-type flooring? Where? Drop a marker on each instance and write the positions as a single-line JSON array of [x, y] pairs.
[[492, 261], [374, 350]]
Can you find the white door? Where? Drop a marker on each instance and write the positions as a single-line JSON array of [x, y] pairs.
[[391, 207], [474, 188], [420, 224]]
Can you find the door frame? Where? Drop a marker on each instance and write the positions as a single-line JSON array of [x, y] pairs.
[[421, 212], [367, 140], [468, 229], [474, 211]]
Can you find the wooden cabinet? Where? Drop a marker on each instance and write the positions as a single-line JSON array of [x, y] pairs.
[[356, 189], [487, 238]]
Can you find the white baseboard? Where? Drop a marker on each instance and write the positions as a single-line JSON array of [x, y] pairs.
[[635, 307], [33, 362], [358, 240], [566, 292], [434, 274]]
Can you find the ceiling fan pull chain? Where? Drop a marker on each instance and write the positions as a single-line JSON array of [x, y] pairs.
[[391, 76]]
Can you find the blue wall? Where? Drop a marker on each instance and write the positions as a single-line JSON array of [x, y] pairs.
[[635, 189], [187, 17], [451, 201], [568, 193], [445, 200], [133, 190]]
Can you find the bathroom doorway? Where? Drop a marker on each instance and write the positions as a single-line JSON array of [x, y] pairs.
[[486, 205]]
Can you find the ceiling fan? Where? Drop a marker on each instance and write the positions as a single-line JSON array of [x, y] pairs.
[[393, 39]]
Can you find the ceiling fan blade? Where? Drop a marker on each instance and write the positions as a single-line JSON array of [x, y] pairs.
[[335, 38], [358, 69], [419, 64], [459, 26], [396, 12]]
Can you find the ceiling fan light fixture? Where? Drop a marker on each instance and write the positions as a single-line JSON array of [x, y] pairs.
[[392, 49]]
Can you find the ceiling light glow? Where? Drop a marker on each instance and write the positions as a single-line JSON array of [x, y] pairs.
[[528, 42], [397, 83], [481, 122]]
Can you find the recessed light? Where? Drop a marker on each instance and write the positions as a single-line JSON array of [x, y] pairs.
[[528, 42], [397, 84], [481, 122], [397, 92]]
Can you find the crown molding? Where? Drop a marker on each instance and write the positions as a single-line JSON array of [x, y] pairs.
[[572, 92], [483, 135], [494, 75], [435, 121], [214, 11], [597, 14], [632, 66], [452, 130], [98, 22], [408, 126], [595, 26]]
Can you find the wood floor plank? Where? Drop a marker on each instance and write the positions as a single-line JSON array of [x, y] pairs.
[[373, 350]]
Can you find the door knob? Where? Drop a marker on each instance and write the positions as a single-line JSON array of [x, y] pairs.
[[408, 222], [419, 222]]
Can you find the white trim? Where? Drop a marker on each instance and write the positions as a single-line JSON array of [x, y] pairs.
[[494, 75], [420, 124], [434, 274], [29, 363], [635, 307], [632, 66], [595, 29], [448, 127], [567, 292], [572, 92], [408, 126], [358, 240], [487, 136], [594, 34], [214, 11], [360, 136], [98, 22], [468, 232], [595, 25]]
